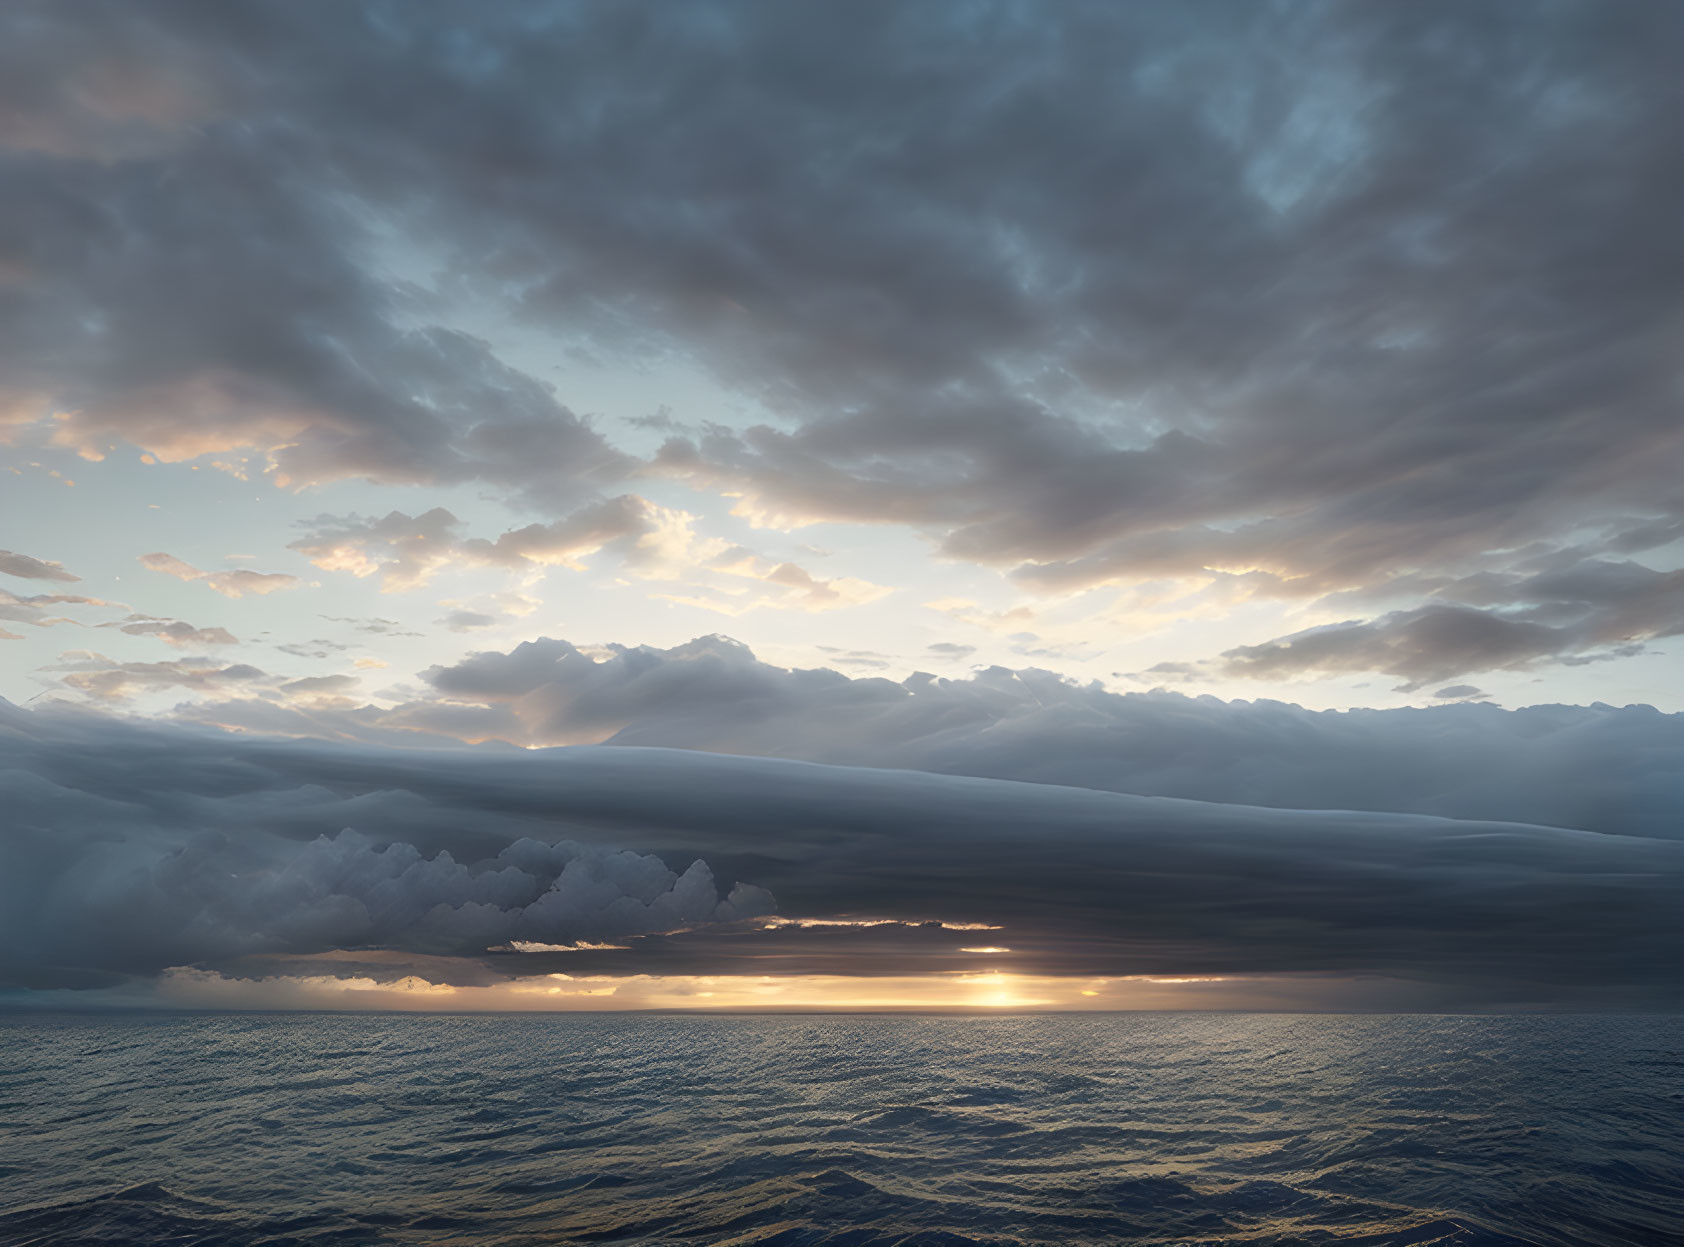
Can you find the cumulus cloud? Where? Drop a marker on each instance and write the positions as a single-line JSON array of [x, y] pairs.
[[32, 568], [147, 902], [132, 847], [232, 584]]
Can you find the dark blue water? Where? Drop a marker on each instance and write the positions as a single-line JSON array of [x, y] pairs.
[[1139, 1128]]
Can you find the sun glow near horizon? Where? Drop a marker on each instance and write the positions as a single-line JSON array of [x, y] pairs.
[[991, 991]]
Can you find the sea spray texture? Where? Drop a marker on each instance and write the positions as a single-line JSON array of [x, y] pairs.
[[1144, 1128]]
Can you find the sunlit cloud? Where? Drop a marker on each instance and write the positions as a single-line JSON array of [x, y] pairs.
[[945, 925], [233, 584]]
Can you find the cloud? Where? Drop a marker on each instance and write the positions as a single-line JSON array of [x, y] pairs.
[[232, 584], [142, 235], [331, 688], [1423, 646], [373, 624], [134, 847], [647, 541], [858, 659], [1397, 300], [174, 632], [487, 610], [1595, 767], [1584, 611], [34, 609], [316, 647], [467, 621], [33, 569], [407, 551], [148, 902], [778, 586], [950, 649], [106, 679]]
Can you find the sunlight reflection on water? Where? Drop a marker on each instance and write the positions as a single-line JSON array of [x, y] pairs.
[[1155, 1128]]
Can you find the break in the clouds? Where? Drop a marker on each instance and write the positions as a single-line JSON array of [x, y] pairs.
[[134, 848], [1336, 298]]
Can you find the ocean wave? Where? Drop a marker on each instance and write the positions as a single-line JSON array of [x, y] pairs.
[[1156, 1129]]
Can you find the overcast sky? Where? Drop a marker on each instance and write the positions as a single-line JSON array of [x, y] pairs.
[[1083, 399]]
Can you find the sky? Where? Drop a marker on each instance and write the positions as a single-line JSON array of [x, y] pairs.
[[769, 505]]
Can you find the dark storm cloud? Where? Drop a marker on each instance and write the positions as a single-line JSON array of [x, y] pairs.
[[131, 847], [1363, 274], [1337, 293]]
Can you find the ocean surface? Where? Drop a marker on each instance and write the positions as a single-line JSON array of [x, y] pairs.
[[1132, 1128]]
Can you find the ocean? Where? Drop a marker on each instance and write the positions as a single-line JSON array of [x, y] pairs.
[[841, 1129]]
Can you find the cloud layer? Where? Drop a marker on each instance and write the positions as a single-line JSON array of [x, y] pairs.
[[1598, 768], [213, 843], [1389, 311]]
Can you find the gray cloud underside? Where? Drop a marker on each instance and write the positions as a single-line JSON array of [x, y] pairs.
[[176, 632], [130, 846], [1598, 768], [1396, 296], [42, 610], [1581, 611], [23, 565]]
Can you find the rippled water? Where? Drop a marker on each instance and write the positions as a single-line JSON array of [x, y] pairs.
[[1140, 1128]]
